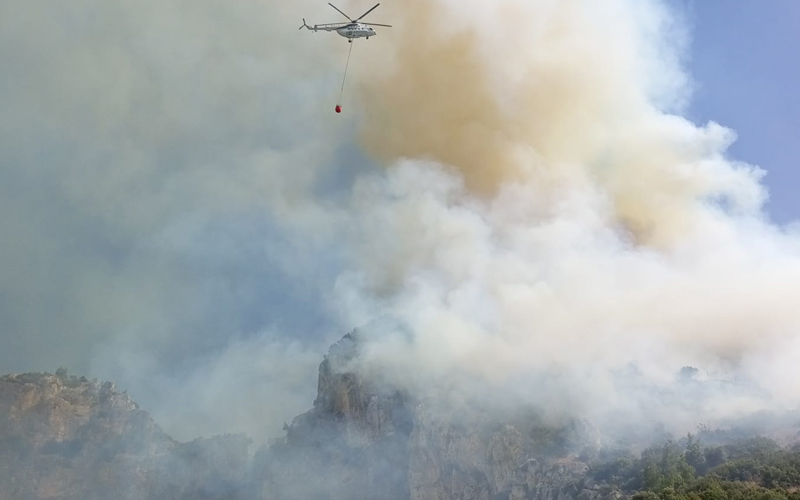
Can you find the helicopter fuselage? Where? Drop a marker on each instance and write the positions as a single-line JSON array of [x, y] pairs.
[[350, 30], [356, 30]]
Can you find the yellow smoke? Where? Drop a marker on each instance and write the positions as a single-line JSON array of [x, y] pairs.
[[555, 92]]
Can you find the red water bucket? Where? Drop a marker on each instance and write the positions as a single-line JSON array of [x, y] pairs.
[[338, 108]]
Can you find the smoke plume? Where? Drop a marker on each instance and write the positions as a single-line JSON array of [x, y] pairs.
[[511, 183], [548, 221]]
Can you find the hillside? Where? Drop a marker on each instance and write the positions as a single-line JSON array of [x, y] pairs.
[[63, 437], [72, 438]]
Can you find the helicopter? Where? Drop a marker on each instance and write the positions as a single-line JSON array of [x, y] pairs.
[[351, 30]]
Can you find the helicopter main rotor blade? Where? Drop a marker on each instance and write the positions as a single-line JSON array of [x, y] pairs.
[[373, 24], [340, 12], [367, 12]]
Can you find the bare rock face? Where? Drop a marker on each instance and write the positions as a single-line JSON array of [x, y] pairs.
[[365, 440], [352, 445], [71, 438], [485, 460], [46, 408]]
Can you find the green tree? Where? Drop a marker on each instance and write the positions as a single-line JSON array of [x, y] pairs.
[[694, 455]]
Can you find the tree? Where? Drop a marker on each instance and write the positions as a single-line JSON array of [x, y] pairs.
[[694, 455]]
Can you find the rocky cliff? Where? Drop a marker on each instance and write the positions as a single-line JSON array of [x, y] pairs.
[[72, 438], [366, 440]]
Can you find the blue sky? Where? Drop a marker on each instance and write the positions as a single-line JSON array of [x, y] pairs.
[[744, 60]]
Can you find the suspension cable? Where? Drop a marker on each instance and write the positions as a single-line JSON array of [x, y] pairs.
[[345, 71]]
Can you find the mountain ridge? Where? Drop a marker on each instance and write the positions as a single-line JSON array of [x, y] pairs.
[[67, 437]]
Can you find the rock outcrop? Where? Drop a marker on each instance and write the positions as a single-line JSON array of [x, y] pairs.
[[72, 438], [352, 445], [367, 440]]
